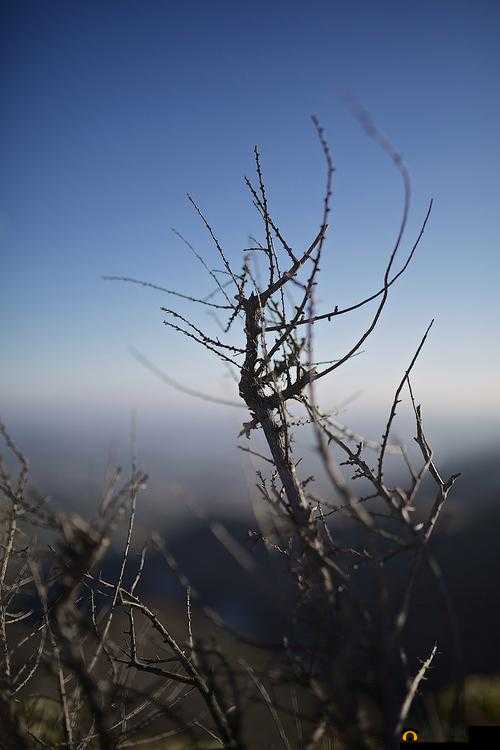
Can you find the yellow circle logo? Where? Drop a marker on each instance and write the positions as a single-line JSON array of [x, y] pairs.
[[409, 736]]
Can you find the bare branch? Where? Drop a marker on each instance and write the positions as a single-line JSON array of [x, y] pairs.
[[178, 386], [168, 291], [392, 414]]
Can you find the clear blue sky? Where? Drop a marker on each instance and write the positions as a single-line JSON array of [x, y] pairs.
[[112, 110]]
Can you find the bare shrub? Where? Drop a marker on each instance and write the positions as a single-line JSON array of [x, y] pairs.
[[113, 672]]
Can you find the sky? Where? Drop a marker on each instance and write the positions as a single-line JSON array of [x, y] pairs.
[[113, 111]]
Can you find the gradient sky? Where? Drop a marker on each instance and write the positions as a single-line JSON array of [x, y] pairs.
[[113, 110]]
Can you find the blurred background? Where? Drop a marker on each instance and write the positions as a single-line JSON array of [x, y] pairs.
[[112, 112]]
